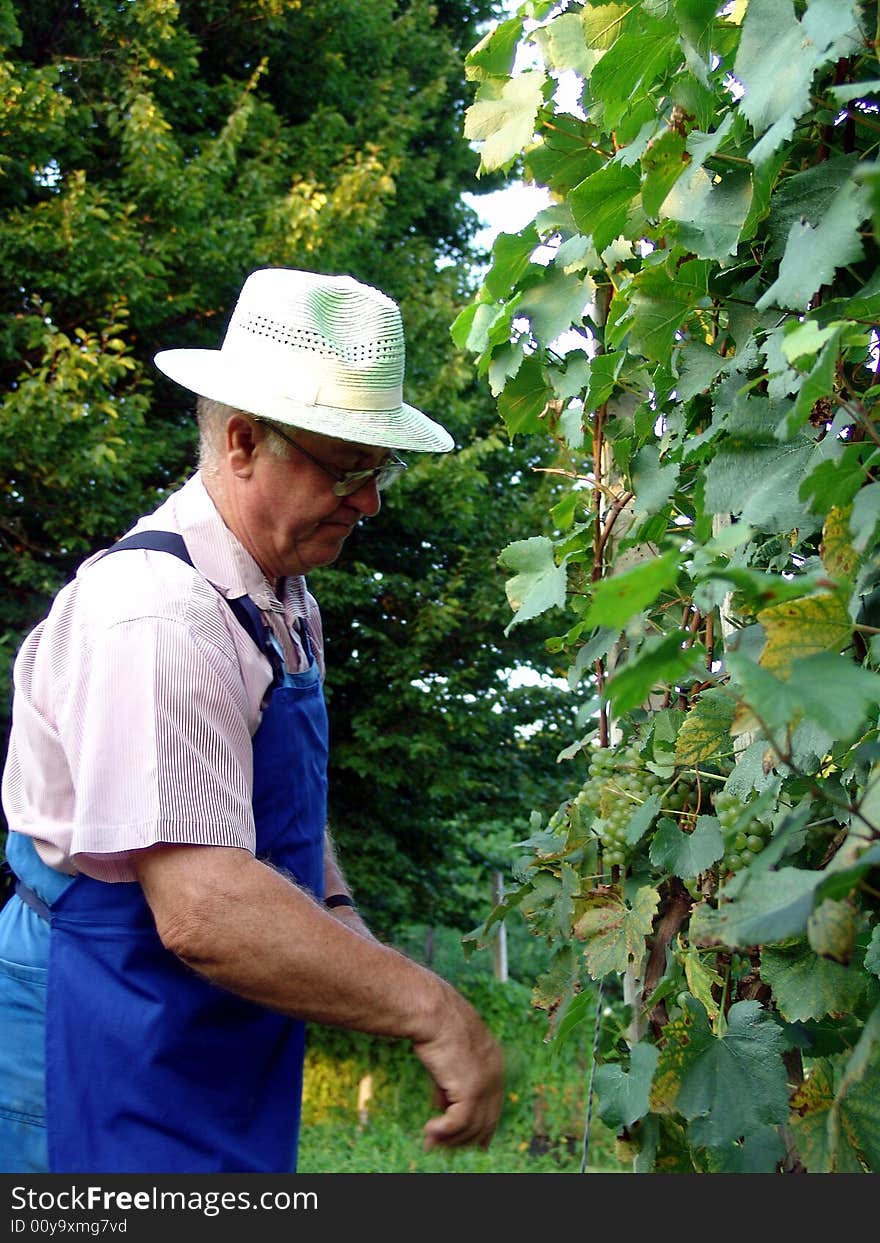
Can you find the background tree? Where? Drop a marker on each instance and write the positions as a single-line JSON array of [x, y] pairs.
[[692, 324], [153, 154]]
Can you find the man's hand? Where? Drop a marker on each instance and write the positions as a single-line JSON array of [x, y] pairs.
[[467, 1066]]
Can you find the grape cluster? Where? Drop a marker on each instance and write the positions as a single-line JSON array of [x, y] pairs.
[[744, 835], [619, 781]]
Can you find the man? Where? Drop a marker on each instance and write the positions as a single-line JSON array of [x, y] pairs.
[[180, 912]]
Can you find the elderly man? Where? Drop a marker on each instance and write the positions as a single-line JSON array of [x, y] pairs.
[[179, 912]]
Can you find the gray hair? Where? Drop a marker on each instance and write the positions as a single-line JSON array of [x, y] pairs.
[[212, 419]]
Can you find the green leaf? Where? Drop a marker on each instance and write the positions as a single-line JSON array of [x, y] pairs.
[[776, 60], [538, 583], [769, 907], [774, 472], [813, 255], [555, 305], [511, 257], [806, 986], [642, 819], [687, 854], [502, 126], [494, 55], [705, 733], [710, 213], [853, 1122], [615, 931], [653, 484], [661, 301], [660, 660], [603, 23], [835, 692], [728, 1086], [623, 1096], [617, 599], [525, 398], [600, 203]]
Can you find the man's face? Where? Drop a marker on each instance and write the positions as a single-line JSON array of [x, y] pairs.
[[291, 520]]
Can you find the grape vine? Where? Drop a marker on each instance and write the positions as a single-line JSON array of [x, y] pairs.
[[690, 331]]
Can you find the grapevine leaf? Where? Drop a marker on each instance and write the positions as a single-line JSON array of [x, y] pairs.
[[615, 931], [865, 515], [599, 204], [617, 599], [810, 1110], [538, 583], [710, 214], [511, 255], [524, 399], [813, 255], [623, 1095], [654, 484], [770, 907], [831, 931], [687, 854], [629, 67], [563, 46], [853, 1123], [502, 126], [774, 472], [728, 1086], [806, 986], [800, 628], [663, 162], [555, 305], [836, 550], [660, 660], [702, 980], [872, 956], [494, 55], [776, 60], [705, 733], [642, 819], [758, 1153], [835, 692], [660, 303], [603, 23]]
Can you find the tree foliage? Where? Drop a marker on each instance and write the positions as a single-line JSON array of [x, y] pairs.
[[692, 325], [153, 153]]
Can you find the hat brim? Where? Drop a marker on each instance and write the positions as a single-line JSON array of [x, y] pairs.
[[209, 374]]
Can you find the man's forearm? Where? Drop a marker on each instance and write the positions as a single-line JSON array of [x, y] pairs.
[[249, 929]]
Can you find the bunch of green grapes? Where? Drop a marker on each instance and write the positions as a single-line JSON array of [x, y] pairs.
[[744, 835], [619, 781]]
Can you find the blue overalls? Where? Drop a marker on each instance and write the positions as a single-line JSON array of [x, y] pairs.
[[117, 1058]]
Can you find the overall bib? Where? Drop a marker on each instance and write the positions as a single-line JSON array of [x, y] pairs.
[[144, 1066]]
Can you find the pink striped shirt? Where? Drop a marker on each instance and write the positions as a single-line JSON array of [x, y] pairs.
[[137, 697]]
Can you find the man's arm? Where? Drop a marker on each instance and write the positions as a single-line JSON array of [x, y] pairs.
[[247, 928], [335, 882]]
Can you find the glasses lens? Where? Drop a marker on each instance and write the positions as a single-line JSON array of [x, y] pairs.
[[388, 473]]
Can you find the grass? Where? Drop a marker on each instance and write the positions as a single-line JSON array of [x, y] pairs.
[[385, 1147]]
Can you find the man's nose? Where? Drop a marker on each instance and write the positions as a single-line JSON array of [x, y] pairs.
[[366, 499]]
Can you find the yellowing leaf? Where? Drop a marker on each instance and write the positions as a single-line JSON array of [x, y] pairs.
[[836, 550], [806, 627], [706, 731], [615, 932]]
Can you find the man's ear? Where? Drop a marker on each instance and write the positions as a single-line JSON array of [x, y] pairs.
[[242, 437]]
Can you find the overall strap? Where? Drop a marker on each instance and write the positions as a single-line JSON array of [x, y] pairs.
[[246, 612]]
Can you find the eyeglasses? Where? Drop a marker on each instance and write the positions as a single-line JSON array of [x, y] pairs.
[[349, 481]]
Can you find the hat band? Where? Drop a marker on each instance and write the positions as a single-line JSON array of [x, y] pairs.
[[343, 397]]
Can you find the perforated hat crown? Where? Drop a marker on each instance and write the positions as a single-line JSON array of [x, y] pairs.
[[324, 353]]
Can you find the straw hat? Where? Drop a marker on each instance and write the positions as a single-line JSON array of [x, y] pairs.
[[324, 353]]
